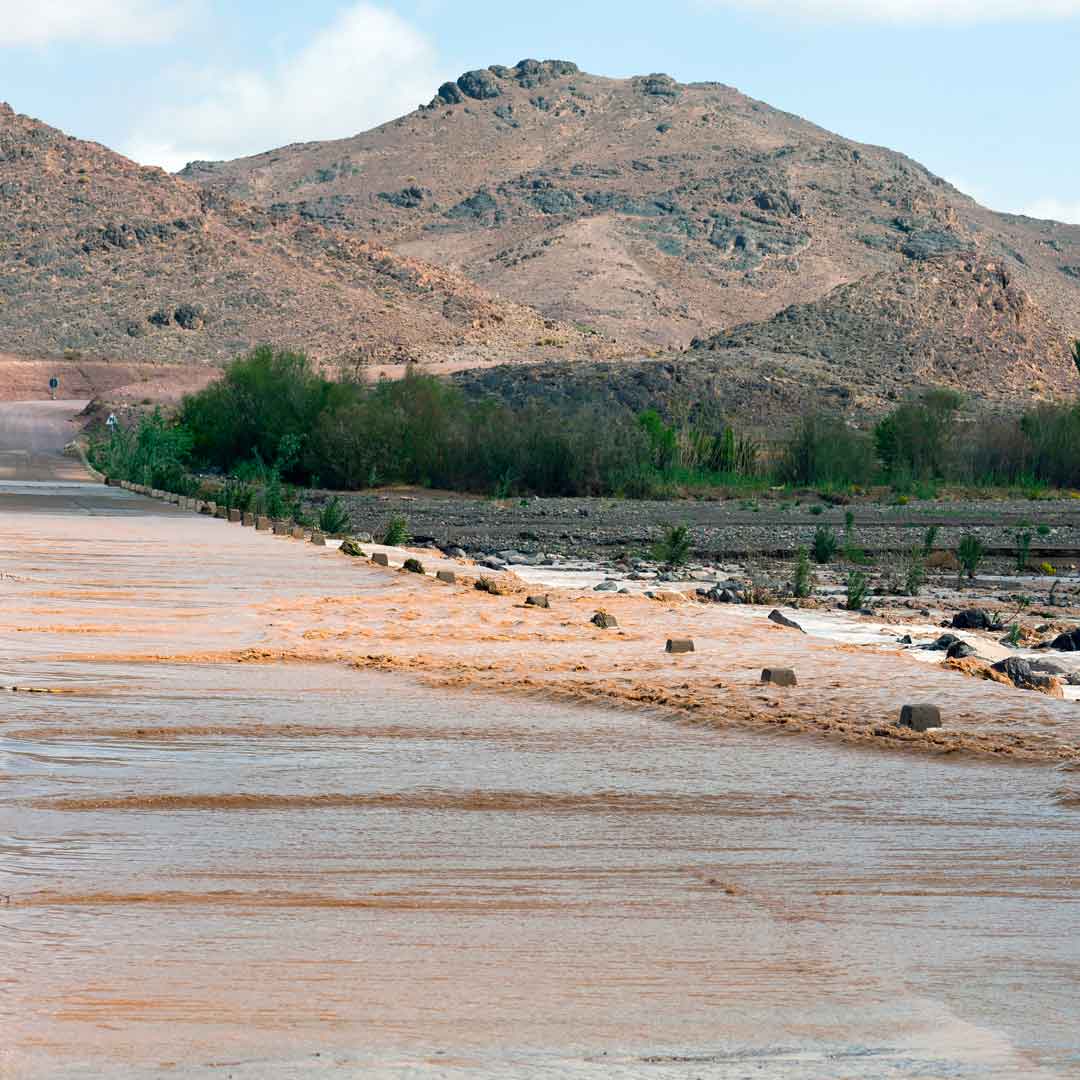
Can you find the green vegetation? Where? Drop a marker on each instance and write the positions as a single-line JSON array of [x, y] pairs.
[[929, 539], [1076, 354], [397, 532], [1023, 549], [915, 575], [969, 554], [333, 517], [674, 548], [413, 566], [825, 544], [857, 588], [803, 584]]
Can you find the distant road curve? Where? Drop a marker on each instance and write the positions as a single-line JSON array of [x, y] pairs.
[[33, 435]]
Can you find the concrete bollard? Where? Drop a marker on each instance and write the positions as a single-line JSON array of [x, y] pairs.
[[379, 558], [604, 620], [679, 645], [262, 524], [282, 528], [298, 532], [920, 717], [779, 676], [317, 538], [447, 577], [248, 519], [235, 516], [208, 508], [538, 601], [221, 512]]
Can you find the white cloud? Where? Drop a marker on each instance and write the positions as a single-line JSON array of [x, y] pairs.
[[368, 66], [911, 11], [1055, 209], [108, 22]]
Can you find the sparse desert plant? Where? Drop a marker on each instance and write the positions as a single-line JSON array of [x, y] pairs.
[[929, 539], [1043, 530], [397, 532], [1023, 549], [969, 554], [333, 517], [857, 588], [825, 545], [1013, 637], [1047, 569], [803, 584], [817, 509], [915, 575], [674, 548]]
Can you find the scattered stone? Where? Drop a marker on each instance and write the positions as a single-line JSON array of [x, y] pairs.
[[479, 85], [779, 676], [351, 546], [413, 566], [781, 619], [1067, 642], [604, 620], [606, 586], [538, 601], [679, 645], [920, 717], [378, 558], [943, 643], [905, 640], [486, 584], [447, 577]]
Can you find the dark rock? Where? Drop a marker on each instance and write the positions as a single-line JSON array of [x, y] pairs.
[[920, 717], [1067, 642], [679, 645], [380, 558], [448, 94], [190, 317], [943, 643], [413, 566], [779, 676], [905, 640], [659, 85], [1019, 673], [606, 586], [958, 650], [972, 619], [604, 620], [161, 317], [447, 577], [538, 601], [480, 85], [782, 620], [350, 546]]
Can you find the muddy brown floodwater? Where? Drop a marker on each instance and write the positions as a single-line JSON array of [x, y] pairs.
[[300, 865]]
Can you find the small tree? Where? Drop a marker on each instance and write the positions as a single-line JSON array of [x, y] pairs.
[[970, 553], [333, 517], [397, 532], [674, 549], [1023, 549], [803, 584], [824, 544], [857, 588], [915, 576]]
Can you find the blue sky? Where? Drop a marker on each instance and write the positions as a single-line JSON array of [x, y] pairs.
[[983, 92]]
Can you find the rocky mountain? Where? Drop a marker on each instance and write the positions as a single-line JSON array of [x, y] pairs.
[[104, 258], [659, 213]]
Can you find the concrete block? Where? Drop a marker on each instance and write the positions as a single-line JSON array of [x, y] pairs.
[[221, 512], [380, 559], [248, 519], [920, 717], [538, 601], [298, 532], [317, 538], [779, 676], [208, 508], [235, 516], [447, 577], [680, 645], [282, 528], [262, 523]]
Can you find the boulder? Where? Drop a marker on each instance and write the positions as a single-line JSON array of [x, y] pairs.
[[351, 546], [447, 577], [1019, 672], [538, 601], [958, 650], [413, 566], [448, 94], [943, 643], [679, 645], [606, 586], [604, 620], [779, 676], [782, 620], [318, 538], [480, 85], [972, 619], [282, 528], [262, 523], [920, 717], [379, 558], [905, 640], [1067, 642]]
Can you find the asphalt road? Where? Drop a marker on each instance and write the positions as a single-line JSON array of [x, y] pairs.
[[33, 435]]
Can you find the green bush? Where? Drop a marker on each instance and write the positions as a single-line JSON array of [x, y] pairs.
[[824, 450], [803, 584], [334, 518], [857, 588], [825, 545], [913, 441], [674, 549], [1023, 549], [397, 532], [969, 554], [915, 575]]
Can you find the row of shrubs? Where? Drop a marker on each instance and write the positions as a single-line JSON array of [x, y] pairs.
[[272, 420]]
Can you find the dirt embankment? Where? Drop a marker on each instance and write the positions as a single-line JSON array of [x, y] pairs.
[[23, 379]]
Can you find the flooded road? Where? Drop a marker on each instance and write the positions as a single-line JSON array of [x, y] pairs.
[[297, 869]]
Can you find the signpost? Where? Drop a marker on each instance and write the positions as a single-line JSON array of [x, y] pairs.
[[54, 382]]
